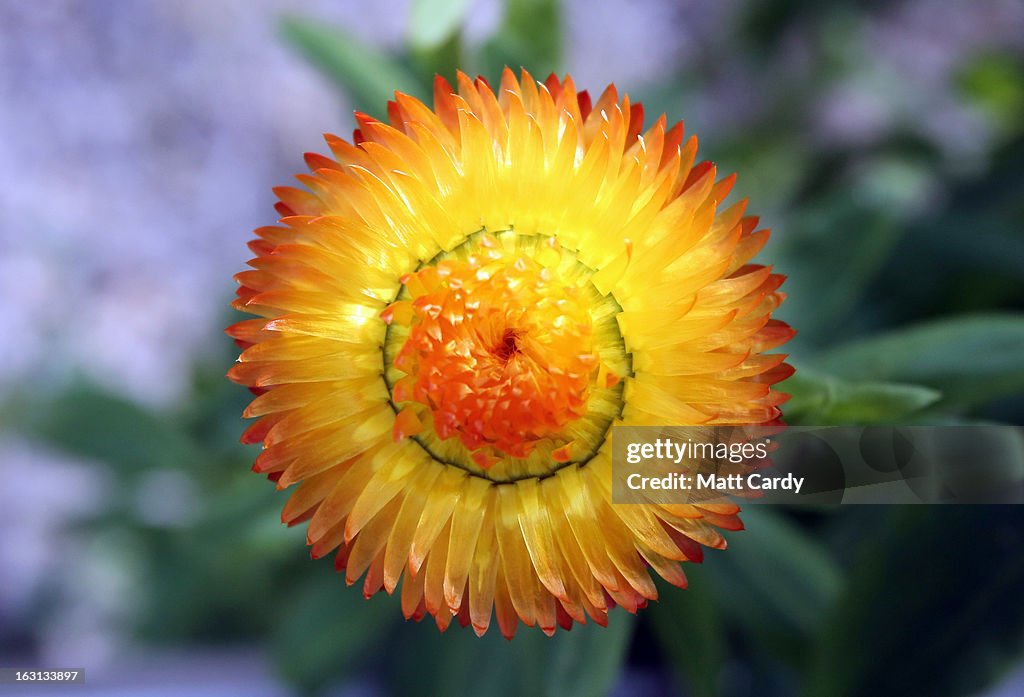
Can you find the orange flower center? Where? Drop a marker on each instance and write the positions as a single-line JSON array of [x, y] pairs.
[[499, 350]]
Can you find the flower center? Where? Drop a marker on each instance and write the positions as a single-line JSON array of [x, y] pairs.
[[509, 346], [493, 348]]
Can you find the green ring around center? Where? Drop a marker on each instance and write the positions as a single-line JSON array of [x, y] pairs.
[[605, 404]]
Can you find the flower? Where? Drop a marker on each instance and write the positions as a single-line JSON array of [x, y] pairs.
[[454, 312]]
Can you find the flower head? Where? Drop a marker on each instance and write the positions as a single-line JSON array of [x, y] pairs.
[[454, 312]]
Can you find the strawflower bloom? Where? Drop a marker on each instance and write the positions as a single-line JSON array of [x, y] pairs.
[[453, 313]]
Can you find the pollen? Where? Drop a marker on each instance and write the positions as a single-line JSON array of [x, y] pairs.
[[500, 350]]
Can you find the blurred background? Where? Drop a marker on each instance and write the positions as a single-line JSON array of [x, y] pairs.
[[882, 141]]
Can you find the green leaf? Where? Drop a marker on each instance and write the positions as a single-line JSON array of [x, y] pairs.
[[444, 59], [432, 22], [831, 253], [586, 661], [971, 359], [326, 629], [995, 82], [824, 400], [90, 422], [530, 37], [583, 662], [932, 607], [492, 665], [775, 580], [689, 629], [218, 573], [368, 75]]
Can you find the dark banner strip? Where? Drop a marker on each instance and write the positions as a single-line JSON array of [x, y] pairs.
[[807, 465]]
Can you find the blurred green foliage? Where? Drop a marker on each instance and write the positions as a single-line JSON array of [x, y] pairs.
[[906, 313], [530, 36], [931, 608], [826, 400]]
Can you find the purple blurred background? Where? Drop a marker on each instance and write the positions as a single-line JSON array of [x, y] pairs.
[[141, 141]]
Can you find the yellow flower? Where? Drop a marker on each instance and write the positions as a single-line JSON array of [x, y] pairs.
[[455, 311]]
